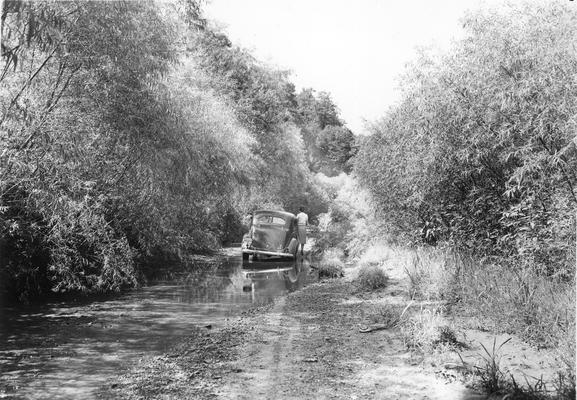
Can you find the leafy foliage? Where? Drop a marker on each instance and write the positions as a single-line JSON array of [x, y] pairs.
[[337, 146], [481, 150], [263, 100], [330, 145], [130, 132], [76, 117]]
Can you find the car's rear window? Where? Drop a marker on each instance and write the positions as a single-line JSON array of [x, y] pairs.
[[269, 219], [277, 220]]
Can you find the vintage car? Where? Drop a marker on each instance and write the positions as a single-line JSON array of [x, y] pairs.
[[272, 233]]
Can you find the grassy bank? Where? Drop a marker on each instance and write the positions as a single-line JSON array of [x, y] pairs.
[[454, 296]]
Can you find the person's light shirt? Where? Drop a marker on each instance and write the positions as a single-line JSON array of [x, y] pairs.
[[302, 218]]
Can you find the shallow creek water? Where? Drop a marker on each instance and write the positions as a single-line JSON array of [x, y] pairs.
[[68, 350]]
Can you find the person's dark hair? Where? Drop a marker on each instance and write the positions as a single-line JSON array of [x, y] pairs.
[[301, 209]]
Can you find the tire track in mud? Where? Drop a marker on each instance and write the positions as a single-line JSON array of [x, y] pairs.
[[274, 353], [262, 363]]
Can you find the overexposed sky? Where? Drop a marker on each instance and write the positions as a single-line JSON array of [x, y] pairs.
[[354, 50]]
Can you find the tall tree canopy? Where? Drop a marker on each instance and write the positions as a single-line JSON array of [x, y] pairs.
[[132, 132], [329, 143]]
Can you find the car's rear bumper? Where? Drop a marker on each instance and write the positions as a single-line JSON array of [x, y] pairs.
[[267, 253]]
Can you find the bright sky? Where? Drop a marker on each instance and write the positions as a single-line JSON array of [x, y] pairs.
[[354, 50]]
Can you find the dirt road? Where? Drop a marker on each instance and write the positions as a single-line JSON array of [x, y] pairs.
[[308, 346]]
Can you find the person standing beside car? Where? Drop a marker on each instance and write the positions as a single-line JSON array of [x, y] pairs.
[[302, 222]]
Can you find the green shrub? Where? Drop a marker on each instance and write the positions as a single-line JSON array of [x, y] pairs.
[[386, 314], [325, 241], [331, 268], [480, 149], [372, 277]]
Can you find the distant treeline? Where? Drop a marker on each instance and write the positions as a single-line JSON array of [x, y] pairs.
[[132, 133], [480, 153]]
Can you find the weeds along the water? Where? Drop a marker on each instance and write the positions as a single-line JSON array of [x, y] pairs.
[[540, 309], [537, 308], [390, 259]]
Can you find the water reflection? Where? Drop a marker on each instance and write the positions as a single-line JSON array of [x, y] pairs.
[[68, 350], [264, 282]]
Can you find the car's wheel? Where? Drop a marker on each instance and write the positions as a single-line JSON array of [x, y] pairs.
[[245, 256]]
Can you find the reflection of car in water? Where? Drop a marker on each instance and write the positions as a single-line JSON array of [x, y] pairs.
[[272, 234], [282, 277]]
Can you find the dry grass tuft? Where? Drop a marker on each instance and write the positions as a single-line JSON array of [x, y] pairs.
[[427, 330], [388, 315], [331, 268], [430, 274], [542, 309], [490, 374], [503, 298], [372, 277]]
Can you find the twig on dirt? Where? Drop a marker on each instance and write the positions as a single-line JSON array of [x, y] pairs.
[[372, 328]]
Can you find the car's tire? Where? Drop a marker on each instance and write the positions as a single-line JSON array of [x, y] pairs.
[[245, 256]]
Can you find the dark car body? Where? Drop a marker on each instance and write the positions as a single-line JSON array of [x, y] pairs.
[[272, 233]]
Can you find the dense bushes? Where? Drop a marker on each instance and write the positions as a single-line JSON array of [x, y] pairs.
[[480, 159], [350, 222], [329, 143], [78, 116], [132, 132], [481, 151]]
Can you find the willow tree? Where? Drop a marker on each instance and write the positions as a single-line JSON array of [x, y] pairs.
[[109, 151], [265, 104], [481, 149], [131, 133]]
